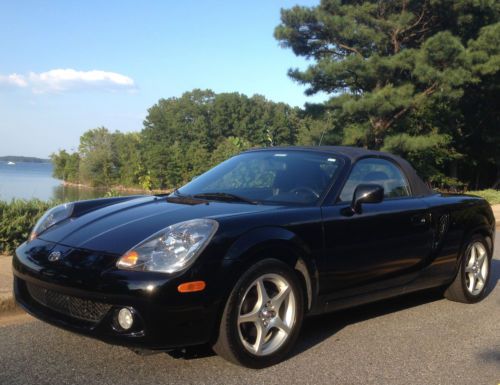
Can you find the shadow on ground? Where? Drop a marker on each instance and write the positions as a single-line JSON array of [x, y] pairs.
[[493, 355], [495, 274], [319, 328]]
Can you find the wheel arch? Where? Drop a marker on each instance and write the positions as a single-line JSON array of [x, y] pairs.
[[457, 291], [280, 244], [478, 228]]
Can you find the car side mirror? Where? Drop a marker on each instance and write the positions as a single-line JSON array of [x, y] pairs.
[[366, 193]]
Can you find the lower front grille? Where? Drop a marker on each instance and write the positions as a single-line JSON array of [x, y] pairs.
[[80, 308]]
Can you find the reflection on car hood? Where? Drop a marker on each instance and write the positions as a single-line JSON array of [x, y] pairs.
[[116, 228]]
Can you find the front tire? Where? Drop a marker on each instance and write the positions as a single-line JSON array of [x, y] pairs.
[[471, 282], [262, 317]]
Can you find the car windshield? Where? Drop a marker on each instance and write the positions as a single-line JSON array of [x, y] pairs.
[[294, 177]]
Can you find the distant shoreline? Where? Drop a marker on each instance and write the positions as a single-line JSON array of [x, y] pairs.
[[23, 159]]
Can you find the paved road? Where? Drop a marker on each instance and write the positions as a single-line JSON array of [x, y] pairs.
[[421, 339]]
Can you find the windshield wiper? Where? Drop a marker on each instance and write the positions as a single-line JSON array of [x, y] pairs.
[[222, 196], [177, 197]]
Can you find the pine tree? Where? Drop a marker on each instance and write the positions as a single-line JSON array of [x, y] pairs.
[[399, 71]]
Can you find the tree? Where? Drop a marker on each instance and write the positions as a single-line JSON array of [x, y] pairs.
[[128, 158], [66, 166], [399, 71], [481, 108], [180, 133], [98, 160], [227, 148]]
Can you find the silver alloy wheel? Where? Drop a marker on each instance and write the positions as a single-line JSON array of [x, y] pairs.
[[267, 314], [476, 268]]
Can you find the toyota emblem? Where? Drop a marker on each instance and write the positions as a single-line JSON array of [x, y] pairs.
[[54, 256]]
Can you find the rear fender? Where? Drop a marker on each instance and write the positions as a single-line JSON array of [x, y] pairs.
[[483, 223]]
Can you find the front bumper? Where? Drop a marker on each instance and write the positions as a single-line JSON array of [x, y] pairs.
[[72, 295]]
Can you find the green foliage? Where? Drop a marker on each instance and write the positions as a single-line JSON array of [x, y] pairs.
[[127, 158], [103, 159], [318, 127], [66, 166], [227, 148], [427, 152], [97, 158], [145, 182], [112, 193], [182, 138], [420, 78], [492, 196], [185, 136], [17, 218]]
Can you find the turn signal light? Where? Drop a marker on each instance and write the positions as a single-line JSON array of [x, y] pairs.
[[129, 259], [190, 287]]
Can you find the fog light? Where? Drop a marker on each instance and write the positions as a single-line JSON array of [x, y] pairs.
[[125, 318]]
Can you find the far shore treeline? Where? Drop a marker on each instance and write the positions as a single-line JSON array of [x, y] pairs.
[[182, 137], [418, 78], [26, 159]]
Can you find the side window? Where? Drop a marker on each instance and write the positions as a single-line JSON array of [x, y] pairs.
[[376, 171]]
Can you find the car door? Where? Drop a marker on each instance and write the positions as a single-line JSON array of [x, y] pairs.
[[379, 247]]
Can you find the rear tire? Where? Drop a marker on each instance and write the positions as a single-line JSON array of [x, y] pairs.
[[262, 317], [472, 280]]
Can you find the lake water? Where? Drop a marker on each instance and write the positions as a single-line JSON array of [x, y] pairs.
[[34, 180]]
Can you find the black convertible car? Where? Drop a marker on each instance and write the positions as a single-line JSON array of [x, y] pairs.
[[237, 257]]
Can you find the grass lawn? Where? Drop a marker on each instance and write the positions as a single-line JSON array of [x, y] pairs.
[[492, 196]]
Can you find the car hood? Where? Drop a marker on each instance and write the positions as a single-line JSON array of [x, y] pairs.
[[116, 228]]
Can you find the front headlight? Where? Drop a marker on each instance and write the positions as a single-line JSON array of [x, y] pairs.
[[51, 217], [171, 249]]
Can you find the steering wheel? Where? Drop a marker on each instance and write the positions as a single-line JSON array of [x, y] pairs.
[[299, 189]]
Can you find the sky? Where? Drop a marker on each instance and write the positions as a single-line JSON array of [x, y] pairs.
[[70, 66]]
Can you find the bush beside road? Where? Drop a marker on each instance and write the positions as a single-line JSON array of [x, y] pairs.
[[17, 219]]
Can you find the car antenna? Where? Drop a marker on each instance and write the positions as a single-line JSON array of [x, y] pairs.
[[322, 135]]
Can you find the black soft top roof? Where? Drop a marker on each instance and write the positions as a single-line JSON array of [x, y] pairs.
[[418, 187]]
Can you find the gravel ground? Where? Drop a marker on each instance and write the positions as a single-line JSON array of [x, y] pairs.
[[5, 275], [6, 300], [417, 339]]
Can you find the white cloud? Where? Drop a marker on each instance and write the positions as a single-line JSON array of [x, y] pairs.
[[13, 80], [60, 80]]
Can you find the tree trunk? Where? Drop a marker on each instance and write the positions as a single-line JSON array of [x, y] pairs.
[[454, 169]]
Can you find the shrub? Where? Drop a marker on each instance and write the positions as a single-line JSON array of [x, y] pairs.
[[17, 218]]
